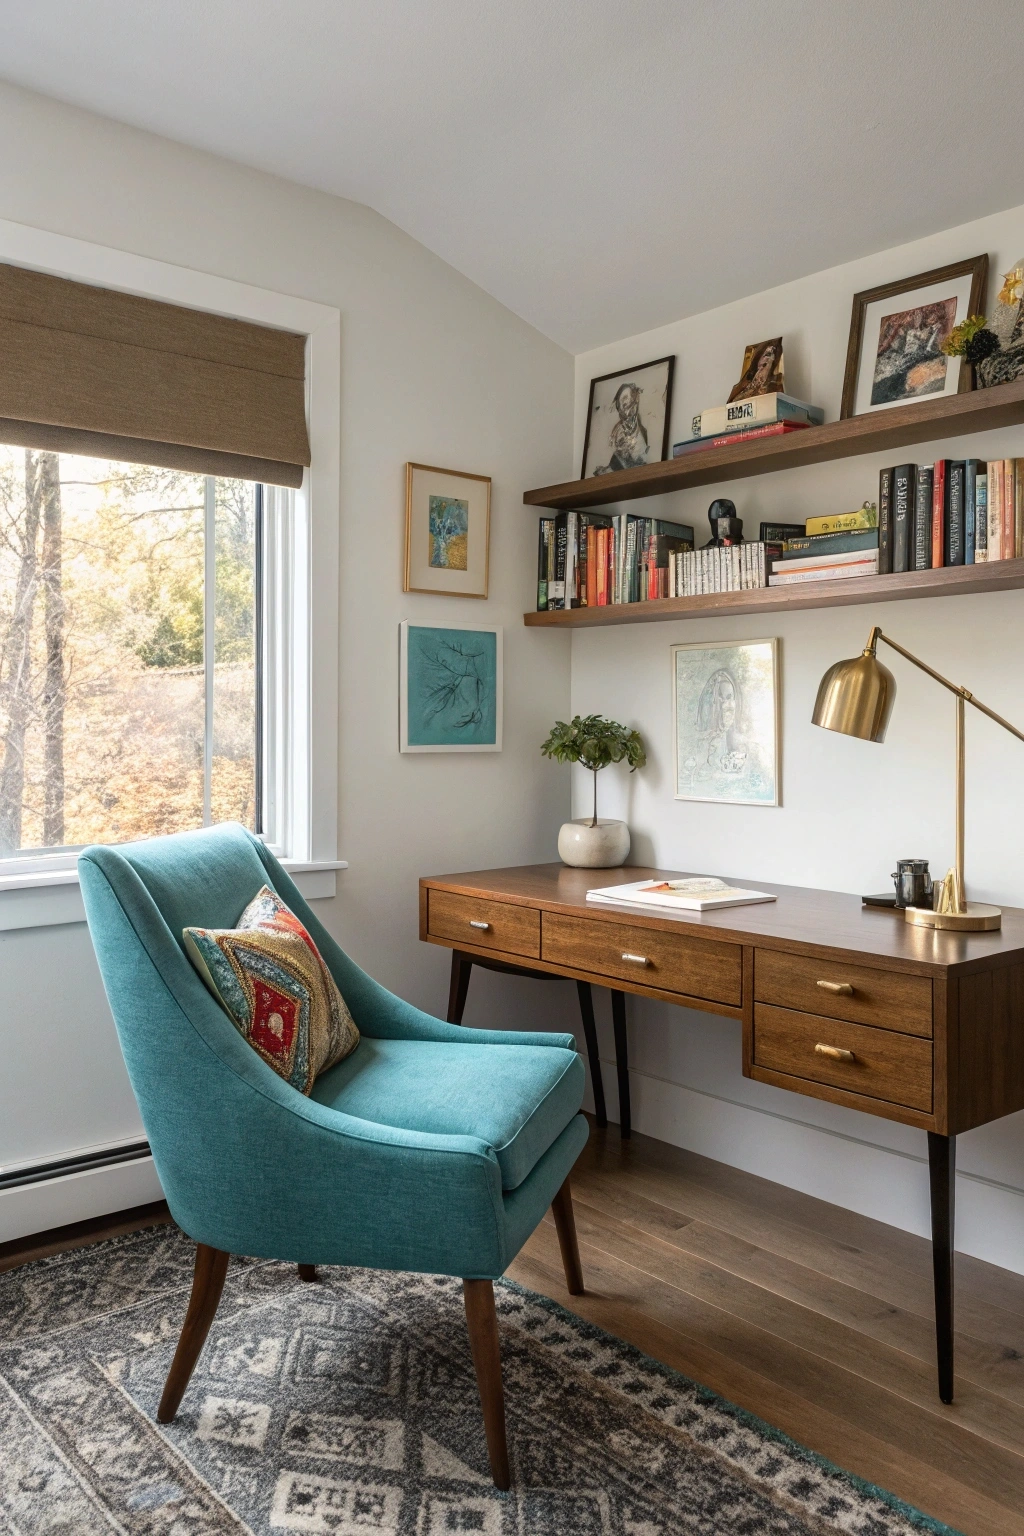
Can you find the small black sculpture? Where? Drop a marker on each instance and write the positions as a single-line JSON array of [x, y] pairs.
[[726, 527]]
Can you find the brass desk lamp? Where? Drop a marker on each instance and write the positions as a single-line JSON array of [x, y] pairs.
[[856, 698]]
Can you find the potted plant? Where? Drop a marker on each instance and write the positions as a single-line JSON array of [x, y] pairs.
[[590, 843]]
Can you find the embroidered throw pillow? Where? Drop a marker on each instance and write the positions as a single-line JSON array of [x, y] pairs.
[[271, 981]]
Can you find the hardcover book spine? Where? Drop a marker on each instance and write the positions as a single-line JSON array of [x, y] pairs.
[[981, 516], [923, 540], [1018, 502], [937, 513], [955, 515], [970, 509], [903, 481], [847, 522], [780, 533], [995, 509], [885, 522], [591, 572], [542, 564], [556, 589], [832, 543], [602, 567], [759, 409], [1008, 543], [572, 559]]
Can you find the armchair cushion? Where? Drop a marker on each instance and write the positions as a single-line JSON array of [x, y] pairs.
[[270, 979], [517, 1099]]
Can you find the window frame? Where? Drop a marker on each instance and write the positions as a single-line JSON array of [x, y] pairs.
[[299, 554]]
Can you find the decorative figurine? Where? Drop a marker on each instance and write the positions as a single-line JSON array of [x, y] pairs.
[[726, 527]]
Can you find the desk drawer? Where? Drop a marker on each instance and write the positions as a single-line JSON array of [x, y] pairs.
[[672, 962], [886, 999], [884, 1065], [487, 924]]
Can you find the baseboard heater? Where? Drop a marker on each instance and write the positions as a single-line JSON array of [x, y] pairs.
[[85, 1162]]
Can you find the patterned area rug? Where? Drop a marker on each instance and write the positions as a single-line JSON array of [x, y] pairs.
[[349, 1408]]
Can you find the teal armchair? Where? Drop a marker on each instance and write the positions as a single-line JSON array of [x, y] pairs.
[[431, 1147]]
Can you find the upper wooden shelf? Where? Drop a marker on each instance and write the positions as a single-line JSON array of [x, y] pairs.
[[979, 410]]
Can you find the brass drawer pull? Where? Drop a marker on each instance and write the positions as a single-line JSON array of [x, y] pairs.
[[833, 1052], [839, 988], [474, 924], [637, 959]]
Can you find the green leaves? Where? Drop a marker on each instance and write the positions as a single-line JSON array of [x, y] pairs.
[[595, 742]]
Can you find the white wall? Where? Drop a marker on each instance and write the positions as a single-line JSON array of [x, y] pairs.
[[432, 370], [849, 808]]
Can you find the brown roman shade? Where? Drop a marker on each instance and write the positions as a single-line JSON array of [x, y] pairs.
[[90, 370]]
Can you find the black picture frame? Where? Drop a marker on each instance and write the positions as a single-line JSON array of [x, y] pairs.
[[627, 375]]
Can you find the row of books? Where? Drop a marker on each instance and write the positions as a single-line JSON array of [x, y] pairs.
[[770, 415], [952, 512], [828, 548], [589, 559], [721, 568]]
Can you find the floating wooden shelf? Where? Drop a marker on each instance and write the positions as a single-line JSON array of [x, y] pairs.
[[951, 416], [1000, 576]]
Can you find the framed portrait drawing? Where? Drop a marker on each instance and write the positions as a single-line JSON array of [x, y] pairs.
[[895, 356], [726, 713], [450, 688], [447, 531], [628, 418]]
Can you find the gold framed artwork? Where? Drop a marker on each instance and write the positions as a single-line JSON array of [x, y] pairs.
[[447, 531]]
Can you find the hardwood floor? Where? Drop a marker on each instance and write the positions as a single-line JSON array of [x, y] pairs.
[[818, 1320]]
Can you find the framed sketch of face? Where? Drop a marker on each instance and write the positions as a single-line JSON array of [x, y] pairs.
[[895, 354], [628, 418], [726, 712]]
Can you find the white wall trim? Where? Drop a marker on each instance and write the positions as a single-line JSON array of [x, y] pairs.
[[53, 1203]]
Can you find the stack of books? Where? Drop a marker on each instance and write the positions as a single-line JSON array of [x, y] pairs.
[[761, 416], [952, 512], [834, 548], [722, 568], [590, 559]]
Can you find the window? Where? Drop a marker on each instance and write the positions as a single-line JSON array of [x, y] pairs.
[[130, 651]]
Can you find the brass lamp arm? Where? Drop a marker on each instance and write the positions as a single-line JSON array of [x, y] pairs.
[[961, 693]]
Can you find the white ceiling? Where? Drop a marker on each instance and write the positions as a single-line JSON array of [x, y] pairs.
[[600, 166]]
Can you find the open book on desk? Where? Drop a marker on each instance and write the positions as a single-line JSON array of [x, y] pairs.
[[698, 893]]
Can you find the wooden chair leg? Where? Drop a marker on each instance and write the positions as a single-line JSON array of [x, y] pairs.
[[458, 990], [207, 1284], [307, 1272], [482, 1322], [565, 1226], [586, 998]]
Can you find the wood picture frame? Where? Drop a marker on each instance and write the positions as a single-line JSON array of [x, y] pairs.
[[447, 531], [959, 375], [603, 402]]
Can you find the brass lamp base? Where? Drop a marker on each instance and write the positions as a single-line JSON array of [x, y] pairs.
[[975, 917]]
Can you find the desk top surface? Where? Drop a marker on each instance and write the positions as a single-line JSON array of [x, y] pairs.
[[801, 918]]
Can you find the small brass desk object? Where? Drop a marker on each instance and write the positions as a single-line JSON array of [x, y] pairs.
[[856, 697]]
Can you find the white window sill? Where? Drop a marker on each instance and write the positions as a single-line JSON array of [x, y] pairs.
[[48, 898]]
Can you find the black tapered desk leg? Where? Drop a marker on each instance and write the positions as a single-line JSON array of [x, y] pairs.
[[942, 1171], [621, 1062], [462, 968], [590, 1035]]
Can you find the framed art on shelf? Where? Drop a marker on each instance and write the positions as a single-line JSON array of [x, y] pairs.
[[895, 356], [447, 531], [628, 418], [726, 713], [450, 688]]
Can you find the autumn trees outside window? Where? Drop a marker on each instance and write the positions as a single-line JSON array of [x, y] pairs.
[[129, 674]]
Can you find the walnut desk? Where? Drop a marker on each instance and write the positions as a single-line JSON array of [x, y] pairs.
[[837, 1001]]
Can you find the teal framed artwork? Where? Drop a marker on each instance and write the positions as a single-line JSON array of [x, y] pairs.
[[450, 697]]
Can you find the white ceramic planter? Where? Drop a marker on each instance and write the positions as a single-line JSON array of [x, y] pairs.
[[604, 846]]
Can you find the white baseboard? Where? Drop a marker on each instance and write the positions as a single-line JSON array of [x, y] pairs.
[[891, 1186], [38, 1207]]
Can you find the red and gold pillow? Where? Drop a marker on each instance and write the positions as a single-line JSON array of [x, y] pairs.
[[271, 981]]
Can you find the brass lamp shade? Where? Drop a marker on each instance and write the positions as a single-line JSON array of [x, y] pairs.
[[856, 697]]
